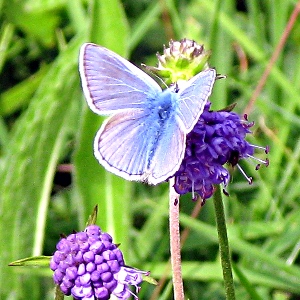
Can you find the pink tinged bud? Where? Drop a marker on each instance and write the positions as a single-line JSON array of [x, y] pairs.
[[98, 259], [78, 257], [97, 247], [108, 255], [63, 246], [63, 266], [85, 279], [82, 292], [81, 269], [93, 230], [90, 267], [97, 284], [70, 260], [95, 276], [77, 281], [58, 257], [74, 247], [53, 265], [108, 245], [105, 237], [71, 273], [82, 236], [88, 256], [65, 289], [104, 267], [106, 276], [72, 238], [102, 293], [119, 256], [110, 285], [114, 266], [67, 283], [84, 246], [58, 276], [77, 291]]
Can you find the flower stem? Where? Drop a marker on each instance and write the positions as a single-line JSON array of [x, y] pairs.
[[175, 242], [223, 245]]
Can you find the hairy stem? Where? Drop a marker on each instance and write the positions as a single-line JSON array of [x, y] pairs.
[[175, 242]]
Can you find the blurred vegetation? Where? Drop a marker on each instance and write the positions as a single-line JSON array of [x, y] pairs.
[[50, 180]]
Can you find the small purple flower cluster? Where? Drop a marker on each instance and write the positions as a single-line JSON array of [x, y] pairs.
[[217, 138], [87, 265]]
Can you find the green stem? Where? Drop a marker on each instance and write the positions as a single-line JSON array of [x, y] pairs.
[[223, 245]]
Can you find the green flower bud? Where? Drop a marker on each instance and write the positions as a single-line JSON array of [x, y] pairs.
[[181, 61]]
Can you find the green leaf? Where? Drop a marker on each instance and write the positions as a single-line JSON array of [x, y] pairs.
[[148, 237], [246, 283], [149, 279], [36, 145], [110, 29], [6, 36], [19, 95], [36, 261], [93, 217], [41, 24], [41, 5], [143, 23]]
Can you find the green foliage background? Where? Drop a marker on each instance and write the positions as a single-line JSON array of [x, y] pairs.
[[45, 122]]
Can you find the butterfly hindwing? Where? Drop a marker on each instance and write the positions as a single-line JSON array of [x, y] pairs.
[[133, 145], [168, 155]]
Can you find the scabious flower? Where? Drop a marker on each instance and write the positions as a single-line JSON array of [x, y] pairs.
[[217, 138], [88, 265]]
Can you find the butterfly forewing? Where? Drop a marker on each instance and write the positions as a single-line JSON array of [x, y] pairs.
[[111, 83], [194, 96]]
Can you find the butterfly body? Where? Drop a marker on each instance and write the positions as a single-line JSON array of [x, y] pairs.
[[144, 139]]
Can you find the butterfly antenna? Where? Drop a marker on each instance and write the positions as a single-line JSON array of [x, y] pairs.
[[153, 74]]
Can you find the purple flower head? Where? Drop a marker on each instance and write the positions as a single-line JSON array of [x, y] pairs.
[[87, 265], [217, 138]]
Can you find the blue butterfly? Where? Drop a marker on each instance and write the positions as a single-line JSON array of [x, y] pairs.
[[145, 137]]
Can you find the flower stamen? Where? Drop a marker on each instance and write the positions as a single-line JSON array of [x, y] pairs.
[[265, 149], [264, 162], [193, 190], [249, 179]]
